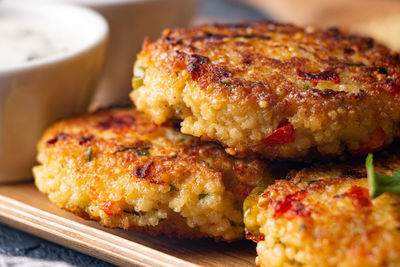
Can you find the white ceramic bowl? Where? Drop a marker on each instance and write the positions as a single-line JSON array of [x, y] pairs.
[[130, 22], [36, 93]]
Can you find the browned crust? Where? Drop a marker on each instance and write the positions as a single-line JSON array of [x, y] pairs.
[[174, 227], [219, 58], [109, 132], [190, 49], [328, 208], [120, 151]]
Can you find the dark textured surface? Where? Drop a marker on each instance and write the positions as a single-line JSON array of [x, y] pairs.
[[17, 243], [14, 243], [228, 10]]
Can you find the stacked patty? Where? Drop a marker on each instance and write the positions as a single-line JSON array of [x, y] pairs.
[[118, 167], [323, 216], [219, 100], [277, 91]]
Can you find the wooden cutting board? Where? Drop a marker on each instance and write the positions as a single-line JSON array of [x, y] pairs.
[[22, 206]]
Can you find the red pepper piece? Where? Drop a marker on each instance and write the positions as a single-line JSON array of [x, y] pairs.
[[393, 85], [291, 205], [316, 77], [107, 207], [375, 143], [142, 171], [359, 196], [284, 134], [60, 136], [117, 122], [252, 237]]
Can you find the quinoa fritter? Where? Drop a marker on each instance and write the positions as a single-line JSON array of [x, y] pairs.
[[118, 167], [323, 216], [279, 91]]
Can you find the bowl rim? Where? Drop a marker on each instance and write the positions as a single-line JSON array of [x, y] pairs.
[[92, 3], [98, 4], [101, 3], [86, 13]]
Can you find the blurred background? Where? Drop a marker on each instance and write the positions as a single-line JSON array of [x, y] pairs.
[[377, 18]]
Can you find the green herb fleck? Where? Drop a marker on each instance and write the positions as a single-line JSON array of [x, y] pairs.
[[298, 181], [88, 154], [226, 82], [172, 188], [182, 140], [382, 71], [354, 64], [250, 210], [174, 156], [208, 164], [255, 83], [32, 57], [248, 36], [140, 150], [137, 82], [132, 212], [177, 74], [306, 87], [233, 224], [380, 183], [201, 196], [123, 149], [161, 219], [311, 182]]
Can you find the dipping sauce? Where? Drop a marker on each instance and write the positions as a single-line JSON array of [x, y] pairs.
[[23, 40]]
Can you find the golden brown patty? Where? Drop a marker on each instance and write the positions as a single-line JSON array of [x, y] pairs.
[[118, 167], [323, 216], [277, 90]]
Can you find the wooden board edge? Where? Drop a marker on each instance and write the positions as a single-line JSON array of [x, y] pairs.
[[83, 238]]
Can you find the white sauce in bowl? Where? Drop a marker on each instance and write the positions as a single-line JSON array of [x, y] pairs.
[[27, 36], [25, 40]]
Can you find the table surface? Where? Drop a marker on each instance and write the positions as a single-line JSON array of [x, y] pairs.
[[21, 249]]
